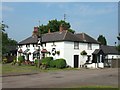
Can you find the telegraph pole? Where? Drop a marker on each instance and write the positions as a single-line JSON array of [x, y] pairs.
[[64, 17]]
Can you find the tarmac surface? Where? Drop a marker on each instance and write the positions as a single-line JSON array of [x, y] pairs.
[[64, 79]]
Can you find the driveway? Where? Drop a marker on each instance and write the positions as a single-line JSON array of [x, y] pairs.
[[64, 79]]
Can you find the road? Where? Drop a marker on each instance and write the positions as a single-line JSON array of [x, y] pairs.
[[64, 79]]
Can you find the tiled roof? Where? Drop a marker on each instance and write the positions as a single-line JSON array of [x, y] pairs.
[[86, 38], [29, 40], [109, 49], [106, 50], [50, 37], [60, 36]]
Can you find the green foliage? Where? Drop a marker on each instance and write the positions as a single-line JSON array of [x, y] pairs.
[[53, 25], [102, 40], [58, 52], [60, 63], [7, 43], [4, 60], [14, 62], [3, 26], [53, 63], [46, 61], [83, 52], [118, 48], [20, 59], [36, 62]]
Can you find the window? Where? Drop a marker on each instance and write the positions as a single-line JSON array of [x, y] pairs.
[[44, 44], [76, 45], [89, 46], [20, 46], [34, 45], [53, 44], [28, 45]]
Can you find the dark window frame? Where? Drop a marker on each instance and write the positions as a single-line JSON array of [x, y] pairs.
[[76, 45], [89, 46]]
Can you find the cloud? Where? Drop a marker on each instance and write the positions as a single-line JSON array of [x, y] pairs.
[[6, 8], [85, 9]]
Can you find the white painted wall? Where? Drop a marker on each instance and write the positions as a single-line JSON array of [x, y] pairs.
[[59, 46], [84, 46], [32, 49], [112, 56], [66, 49]]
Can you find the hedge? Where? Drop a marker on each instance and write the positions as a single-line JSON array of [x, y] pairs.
[[53, 63], [20, 59], [58, 63], [47, 61]]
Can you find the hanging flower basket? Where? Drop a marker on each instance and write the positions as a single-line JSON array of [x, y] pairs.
[[58, 52], [83, 52]]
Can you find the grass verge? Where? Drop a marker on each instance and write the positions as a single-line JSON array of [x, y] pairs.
[[15, 69]]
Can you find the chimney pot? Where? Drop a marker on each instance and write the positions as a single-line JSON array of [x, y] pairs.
[[35, 29], [49, 30], [61, 28]]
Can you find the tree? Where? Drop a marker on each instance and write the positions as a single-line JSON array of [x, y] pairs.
[[3, 26], [118, 48], [6, 41], [102, 40], [118, 37], [53, 25]]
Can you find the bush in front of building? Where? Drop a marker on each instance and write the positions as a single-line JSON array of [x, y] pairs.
[[60, 63], [4, 60], [20, 60], [46, 61], [53, 64], [36, 62]]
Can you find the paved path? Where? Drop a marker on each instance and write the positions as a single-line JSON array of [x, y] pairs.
[[62, 79]]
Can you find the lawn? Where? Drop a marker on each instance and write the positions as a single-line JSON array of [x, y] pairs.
[[15, 69]]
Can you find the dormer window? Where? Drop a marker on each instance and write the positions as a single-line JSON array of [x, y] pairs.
[[76, 45]]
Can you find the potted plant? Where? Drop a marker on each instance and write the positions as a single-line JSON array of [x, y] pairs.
[[58, 52]]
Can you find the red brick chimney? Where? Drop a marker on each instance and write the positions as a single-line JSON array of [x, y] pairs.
[[49, 30], [35, 29], [61, 28]]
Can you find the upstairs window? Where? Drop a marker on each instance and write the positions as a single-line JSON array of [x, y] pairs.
[[28, 45], [20, 46], [76, 45], [89, 46], [53, 44]]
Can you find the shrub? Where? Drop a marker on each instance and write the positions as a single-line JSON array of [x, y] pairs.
[[46, 61], [14, 62], [21, 59], [53, 63], [36, 62], [60, 63], [4, 60]]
